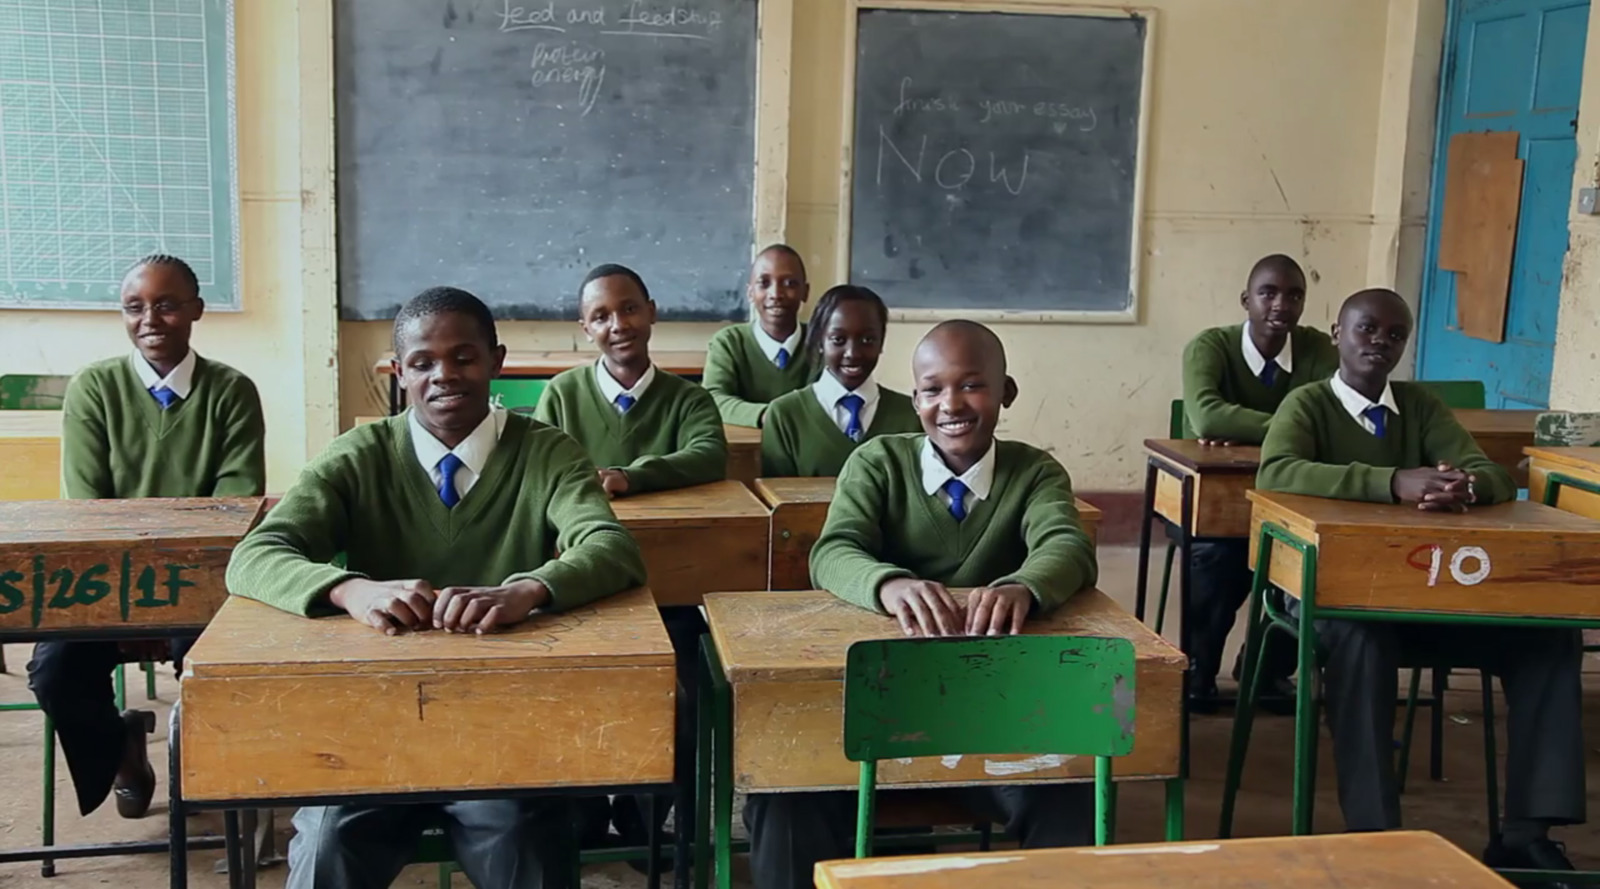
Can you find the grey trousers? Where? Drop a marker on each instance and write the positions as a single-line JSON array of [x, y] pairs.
[[791, 832], [499, 844], [1539, 670]]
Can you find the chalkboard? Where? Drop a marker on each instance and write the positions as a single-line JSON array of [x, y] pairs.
[[996, 159], [116, 141], [506, 146]]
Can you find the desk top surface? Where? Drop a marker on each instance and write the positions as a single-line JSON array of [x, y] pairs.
[[1336, 861], [775, 491], [60, 523], [742, 435], [1352, 517], [1497, 422], [796, 636], [724, 499], [30, 424], [247, 638], [1582, 458], [550, 363], [1196, 457]]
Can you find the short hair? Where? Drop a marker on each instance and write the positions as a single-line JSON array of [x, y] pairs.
[[787, 251], [167, 260], [441, 300], [817, 330], [964, 327], [607, 270], [1374, 293], [1281, 262]]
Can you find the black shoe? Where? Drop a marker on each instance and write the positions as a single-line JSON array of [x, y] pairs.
[[135, 784], [1203, 698], [1541, 854], [1278, 698]]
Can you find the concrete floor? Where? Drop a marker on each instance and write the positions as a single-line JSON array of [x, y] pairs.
[[1454, 807]]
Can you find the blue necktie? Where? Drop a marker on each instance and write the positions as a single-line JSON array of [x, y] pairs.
[[783, 359], [625, 401], [166, 397], [1269, 374], [449, 464], [1379, 416], [853, 403], [958, 495]]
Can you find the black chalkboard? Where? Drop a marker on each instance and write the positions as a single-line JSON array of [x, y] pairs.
[[995, 160], [506, 146]]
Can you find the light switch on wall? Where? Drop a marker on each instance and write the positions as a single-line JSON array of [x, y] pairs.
[[1586, 200]]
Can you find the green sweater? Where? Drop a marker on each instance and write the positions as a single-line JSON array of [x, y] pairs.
[[799, 438], [1223, 399], [1315, 447], [117, 442], [882, 525], [672, 438], [367, 496], [743, 380]]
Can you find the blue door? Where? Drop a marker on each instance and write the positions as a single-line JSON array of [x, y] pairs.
[[1509, 65]]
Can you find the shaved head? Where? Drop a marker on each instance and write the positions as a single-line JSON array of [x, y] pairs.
[[1375, 299], [961, 387], [1279, 263], [963, 335]]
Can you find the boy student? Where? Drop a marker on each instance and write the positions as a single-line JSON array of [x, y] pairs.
[[1358, 436], [161, 422], [1233, 379], [749, 366], [448, 516], [913, 517], [811, 431]]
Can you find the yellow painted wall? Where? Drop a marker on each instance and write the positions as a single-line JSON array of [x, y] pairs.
[[1575, 382], [285, 337]]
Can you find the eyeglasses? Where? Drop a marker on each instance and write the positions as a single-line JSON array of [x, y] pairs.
[[163, 307]]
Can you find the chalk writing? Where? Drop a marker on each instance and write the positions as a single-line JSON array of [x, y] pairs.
[[45, 586], [649, 20], [571, 64], [953, 170], [1430, 559], [910, 103], [526, 18]]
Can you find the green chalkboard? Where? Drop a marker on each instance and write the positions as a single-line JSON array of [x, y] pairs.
[[116, 140]]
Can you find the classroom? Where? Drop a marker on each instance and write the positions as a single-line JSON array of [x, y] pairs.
[[1091, 182]]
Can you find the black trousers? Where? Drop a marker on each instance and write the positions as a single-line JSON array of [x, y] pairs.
[[72, 683], [791, 832], [1220, 575]]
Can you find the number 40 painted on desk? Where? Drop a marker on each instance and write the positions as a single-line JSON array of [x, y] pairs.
[[1430, 557]]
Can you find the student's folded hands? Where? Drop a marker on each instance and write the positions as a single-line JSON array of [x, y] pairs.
[[615, 482], [387, 605], [394, 606], [1436, 489], [926, 608]]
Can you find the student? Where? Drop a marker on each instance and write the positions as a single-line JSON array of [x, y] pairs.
[[1359, 436], [448, 517], [810, 432], [748, 367], [647, 429], [161, 422], [915, 516], [1233, 379], [650, 430]]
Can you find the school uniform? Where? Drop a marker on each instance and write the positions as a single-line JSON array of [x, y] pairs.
[[1230, 391], [899, 511], [491, 511], [746, 370], [1328, 440], [127, 432], [811, 432]]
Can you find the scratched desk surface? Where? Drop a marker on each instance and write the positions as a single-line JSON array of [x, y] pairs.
[[1339, 861], [68, 523], [280, 706]]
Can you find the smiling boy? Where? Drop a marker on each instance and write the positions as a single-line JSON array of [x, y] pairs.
[[450, 517], [750, 365]]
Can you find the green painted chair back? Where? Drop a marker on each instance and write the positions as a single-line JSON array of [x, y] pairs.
[[1567, 429], [33, 392], [1459, 394], [518, 395], [1064, 695], [1178, 422]]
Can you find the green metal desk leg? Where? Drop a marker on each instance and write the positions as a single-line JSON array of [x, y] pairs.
[[47, 823], [1244, 710], [702, 797], [1174, 810], [722, 781], [1305, 711]]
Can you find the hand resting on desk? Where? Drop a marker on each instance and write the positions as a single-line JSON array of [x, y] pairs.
[[397, 605]]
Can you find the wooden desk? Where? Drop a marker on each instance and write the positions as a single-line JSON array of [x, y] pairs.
[[699, 540], [799, 507], [1219, 476], [1518, 559], [116, 567], [744, 453], [1582, 464], [1339, 861], [1503, 435], [544, 365], [783, 656], [277, 706], [30, 455]]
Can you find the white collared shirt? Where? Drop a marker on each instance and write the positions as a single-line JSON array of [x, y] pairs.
[[1257, 361], [610, 388], [180, 381], [979, 479], [829, 390], [474, 450], [1357, 404], [770, 346]]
